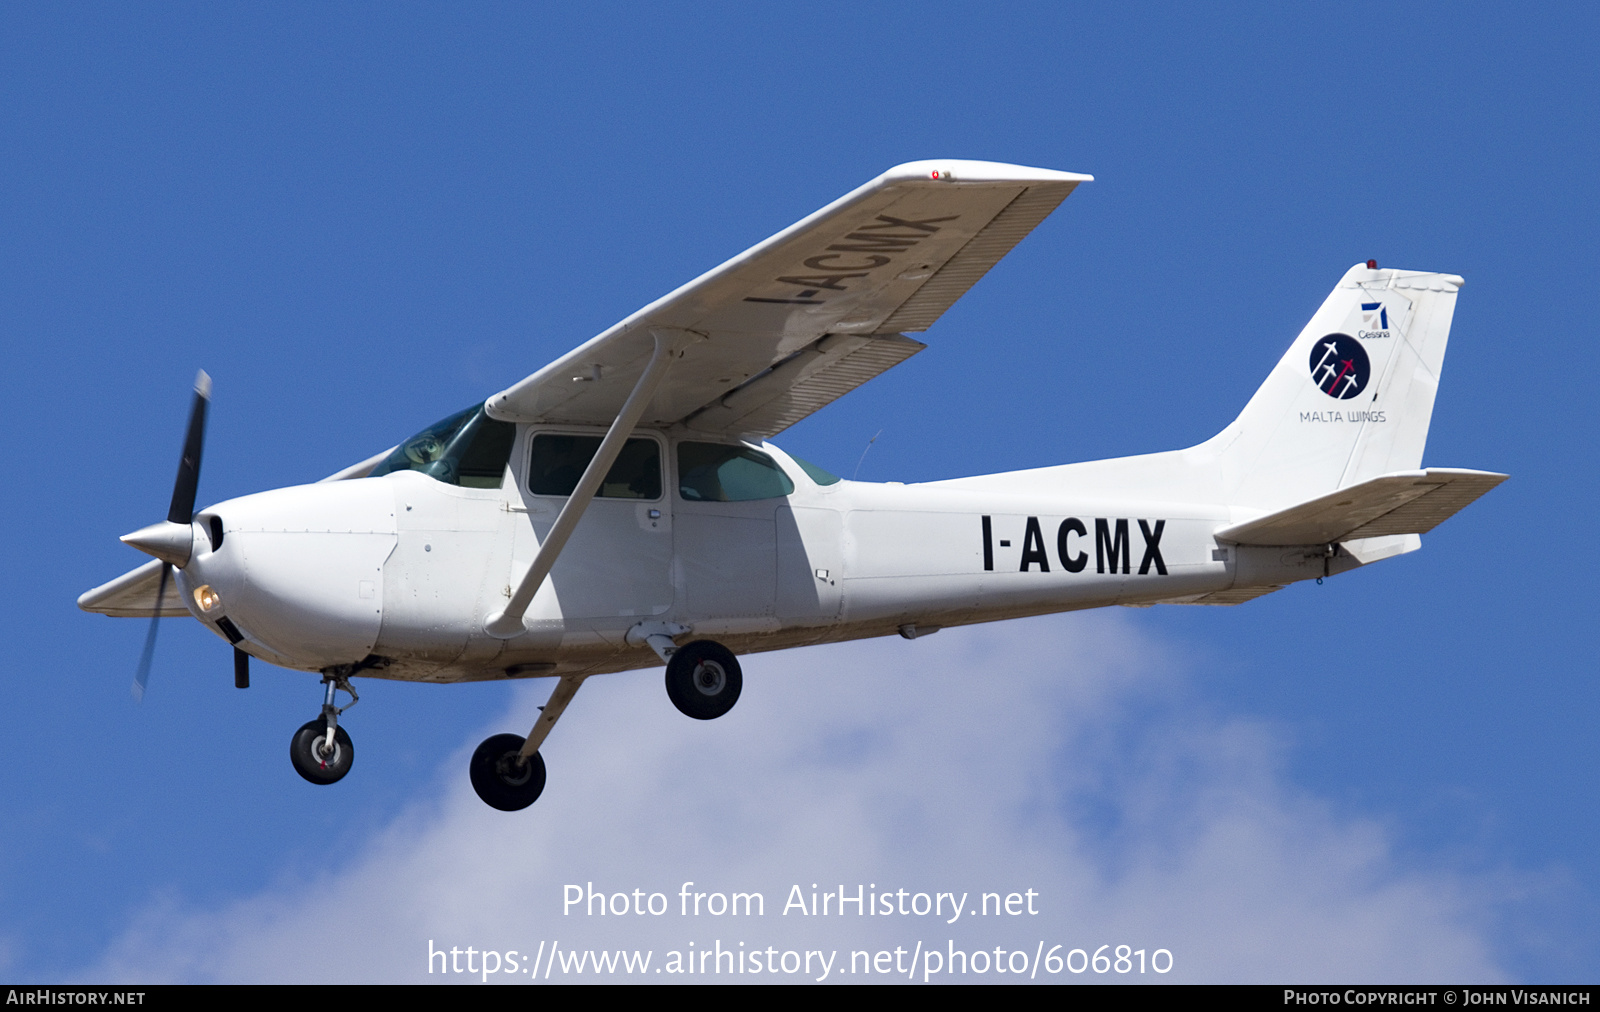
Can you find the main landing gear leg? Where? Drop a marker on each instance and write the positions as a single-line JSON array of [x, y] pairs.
[[321, 750], [507, 771]]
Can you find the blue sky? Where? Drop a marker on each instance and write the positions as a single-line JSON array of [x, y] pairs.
[[360, 219]]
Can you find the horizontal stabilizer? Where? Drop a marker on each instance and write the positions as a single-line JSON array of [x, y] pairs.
[[1406, 502], [1231, 596], [133, 595]]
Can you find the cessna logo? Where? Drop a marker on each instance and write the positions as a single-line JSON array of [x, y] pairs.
[[855, 255], [1339, 366], [1113, 552]]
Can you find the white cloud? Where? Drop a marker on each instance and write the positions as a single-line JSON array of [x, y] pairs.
[[1064, 755]]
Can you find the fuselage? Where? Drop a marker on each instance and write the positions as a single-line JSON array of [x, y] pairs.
[[397, 573]]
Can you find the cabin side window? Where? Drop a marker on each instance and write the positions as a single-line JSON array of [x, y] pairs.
[[557, 462]]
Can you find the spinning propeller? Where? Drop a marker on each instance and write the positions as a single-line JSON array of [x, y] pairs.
[[172, 540]]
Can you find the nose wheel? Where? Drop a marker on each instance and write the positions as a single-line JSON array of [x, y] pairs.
[[321, 750], [312, 756]]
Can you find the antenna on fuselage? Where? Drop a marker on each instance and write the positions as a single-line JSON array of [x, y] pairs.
[[874, 439]]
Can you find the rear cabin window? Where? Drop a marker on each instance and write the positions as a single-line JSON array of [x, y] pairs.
[[716, 472], [556, 463], [817, 474]]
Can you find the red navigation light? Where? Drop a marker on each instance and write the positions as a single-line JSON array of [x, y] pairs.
[[1372, 265]]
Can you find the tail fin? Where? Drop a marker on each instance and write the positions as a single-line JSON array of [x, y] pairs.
[[1352, 398]]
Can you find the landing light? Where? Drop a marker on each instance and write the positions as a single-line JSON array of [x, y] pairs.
[[205, 597]]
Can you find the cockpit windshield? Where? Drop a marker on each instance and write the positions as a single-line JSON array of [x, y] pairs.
[[469, 449]]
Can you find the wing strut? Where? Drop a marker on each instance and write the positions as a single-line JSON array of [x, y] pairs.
[[507, 624]]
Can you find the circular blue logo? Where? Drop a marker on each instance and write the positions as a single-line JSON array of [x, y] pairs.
[[1339, 366]]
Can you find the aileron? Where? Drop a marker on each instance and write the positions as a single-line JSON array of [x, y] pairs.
[[974, 260]]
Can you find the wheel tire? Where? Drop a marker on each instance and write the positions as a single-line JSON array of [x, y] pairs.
[[305, 752], [703, 680], [497, 779]]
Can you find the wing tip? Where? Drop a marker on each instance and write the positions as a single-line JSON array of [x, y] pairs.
[[961, 170]]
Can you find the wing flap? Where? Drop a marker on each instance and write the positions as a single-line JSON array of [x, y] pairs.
[[903, 247], [1407, 502], [803, 384], [133, 595]]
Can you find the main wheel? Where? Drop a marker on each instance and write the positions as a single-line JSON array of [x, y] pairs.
[[502, 778], [305, 751], [703, 680]]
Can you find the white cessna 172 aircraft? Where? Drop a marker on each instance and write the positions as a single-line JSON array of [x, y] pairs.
[[622, 505]]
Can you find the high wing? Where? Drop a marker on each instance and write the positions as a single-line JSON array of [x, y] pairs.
[[810, 314], [133, 595]]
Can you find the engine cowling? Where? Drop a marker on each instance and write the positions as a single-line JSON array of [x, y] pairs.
[[297, 571]]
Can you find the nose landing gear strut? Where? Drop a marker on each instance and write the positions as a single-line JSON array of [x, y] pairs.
[[321, 750]]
